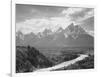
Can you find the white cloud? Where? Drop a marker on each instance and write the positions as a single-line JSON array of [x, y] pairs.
[[71, 11], [77, 15], [89, 14], [60, 21], [38, 25]]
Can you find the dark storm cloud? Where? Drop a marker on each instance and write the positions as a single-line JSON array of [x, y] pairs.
[[24, 11]]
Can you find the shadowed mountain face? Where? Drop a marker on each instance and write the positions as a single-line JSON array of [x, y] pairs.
[[72, 36]]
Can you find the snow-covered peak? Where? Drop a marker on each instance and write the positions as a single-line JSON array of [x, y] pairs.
[[47, 32], [20, 35]]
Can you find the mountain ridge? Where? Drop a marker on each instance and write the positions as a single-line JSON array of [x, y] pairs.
[[73, 35]]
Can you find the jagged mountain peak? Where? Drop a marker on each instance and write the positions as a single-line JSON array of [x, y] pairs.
[[62, 37], [39, 34], [60, 29], [47, 32], [74, 29], [70, 28], [20, 35]]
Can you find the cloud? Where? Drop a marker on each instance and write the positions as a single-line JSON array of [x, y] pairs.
[[71, 11], [78, 14], [31, 25], [88, 23], [25, 11], [39, 24], [82, 16], [36, 18]]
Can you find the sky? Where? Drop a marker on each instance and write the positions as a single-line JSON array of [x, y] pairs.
[[36, 18]]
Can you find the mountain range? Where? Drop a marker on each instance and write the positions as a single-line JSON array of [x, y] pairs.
[[71, 36]]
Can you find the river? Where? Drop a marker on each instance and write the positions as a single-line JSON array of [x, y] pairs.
[[64, 64]]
